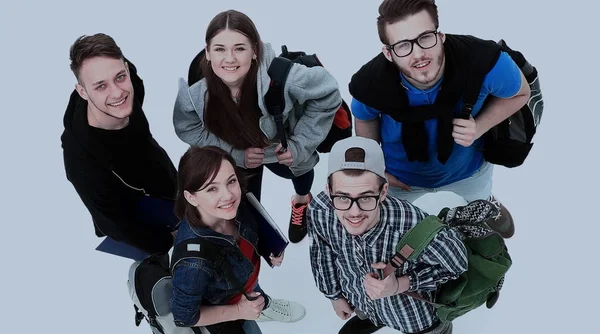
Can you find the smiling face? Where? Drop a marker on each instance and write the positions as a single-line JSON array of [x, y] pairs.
[[355, 220], [230, 54], [105, 83], [220, 198], [423, 68]]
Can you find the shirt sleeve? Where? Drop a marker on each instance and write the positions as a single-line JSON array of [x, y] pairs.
[[190, 280], [504, 79], [113, 213], [322, 257], [363, 112], [317, 91], [190, 127], [444, 259]]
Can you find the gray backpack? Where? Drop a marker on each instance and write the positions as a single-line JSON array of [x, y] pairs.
[[150, 287]]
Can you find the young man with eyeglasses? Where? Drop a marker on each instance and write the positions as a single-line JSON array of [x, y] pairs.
[[354, 227], [410, 98]]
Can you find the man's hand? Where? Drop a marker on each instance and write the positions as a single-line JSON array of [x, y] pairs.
[[377, 289], [342, 308], [394, 182], [285, 158], [253, 157], [464, 131]]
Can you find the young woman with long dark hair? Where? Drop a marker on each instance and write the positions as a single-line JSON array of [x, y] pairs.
[[226, 108], [211, 206]]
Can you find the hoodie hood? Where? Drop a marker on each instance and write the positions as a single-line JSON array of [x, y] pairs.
[[263, 80], [268, 54], [76, 139]]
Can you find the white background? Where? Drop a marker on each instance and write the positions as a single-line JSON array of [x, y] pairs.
[[54, 281]]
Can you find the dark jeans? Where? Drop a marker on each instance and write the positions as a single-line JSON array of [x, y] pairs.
[[253, 176], [150, 210]]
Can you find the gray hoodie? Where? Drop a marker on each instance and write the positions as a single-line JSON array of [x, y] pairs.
[[311, 95]]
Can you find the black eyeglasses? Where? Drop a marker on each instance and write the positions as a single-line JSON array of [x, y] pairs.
[[365, 203], [426, 40]]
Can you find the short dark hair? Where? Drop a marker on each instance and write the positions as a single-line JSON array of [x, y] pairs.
[[392, 11], [199, 166], [355, 154], [97, 45]]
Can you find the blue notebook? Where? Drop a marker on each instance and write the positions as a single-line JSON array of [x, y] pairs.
[[270, 238], [111, 246], [151, 211]]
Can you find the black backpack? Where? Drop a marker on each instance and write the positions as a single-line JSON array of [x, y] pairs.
[[275, 100], [150, 287], [509, 143]]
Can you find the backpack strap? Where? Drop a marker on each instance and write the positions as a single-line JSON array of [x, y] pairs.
[[478, 70], [414, 242], [412, 245], [275, 99], [216, 254], [195, 71], [472, 89]]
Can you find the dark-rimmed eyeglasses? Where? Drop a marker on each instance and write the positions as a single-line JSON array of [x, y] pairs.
[[365, 203], [426, 40]]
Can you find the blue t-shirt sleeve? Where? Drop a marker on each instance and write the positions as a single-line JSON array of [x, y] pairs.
[[363, 112], [504, 80]]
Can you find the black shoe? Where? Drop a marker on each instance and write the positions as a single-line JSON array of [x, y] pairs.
[[297, 230], [358, 326]]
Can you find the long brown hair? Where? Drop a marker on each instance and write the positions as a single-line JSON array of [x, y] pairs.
[[197, 167], [235, 123]]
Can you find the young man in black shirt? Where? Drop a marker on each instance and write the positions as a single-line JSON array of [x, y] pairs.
[[122, 175]]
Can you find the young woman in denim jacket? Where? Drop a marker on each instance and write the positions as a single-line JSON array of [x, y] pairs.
[[210, 204]]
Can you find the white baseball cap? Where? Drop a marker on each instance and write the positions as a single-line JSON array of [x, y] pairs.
[[374, 161]]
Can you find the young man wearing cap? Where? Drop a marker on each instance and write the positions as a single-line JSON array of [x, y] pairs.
[[354, 227]]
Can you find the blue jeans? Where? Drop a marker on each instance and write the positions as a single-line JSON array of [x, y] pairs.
[[477, 186], [251, 327]]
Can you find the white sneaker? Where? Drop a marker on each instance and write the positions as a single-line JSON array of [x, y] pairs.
[[282, 310]]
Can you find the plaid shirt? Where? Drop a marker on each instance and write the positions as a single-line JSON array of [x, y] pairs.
[[340, 262]]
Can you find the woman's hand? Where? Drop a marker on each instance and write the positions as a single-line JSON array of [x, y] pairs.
[[251, 309], [276, 261], [285, 158], [253, 157]]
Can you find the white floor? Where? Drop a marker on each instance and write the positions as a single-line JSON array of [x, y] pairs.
[[54, 281]]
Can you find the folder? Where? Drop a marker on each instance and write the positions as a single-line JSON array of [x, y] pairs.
[[270, 238]]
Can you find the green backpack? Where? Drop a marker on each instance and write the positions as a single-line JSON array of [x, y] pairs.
[[487, 256]]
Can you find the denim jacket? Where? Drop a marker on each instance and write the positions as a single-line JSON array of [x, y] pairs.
[[197, 282]]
